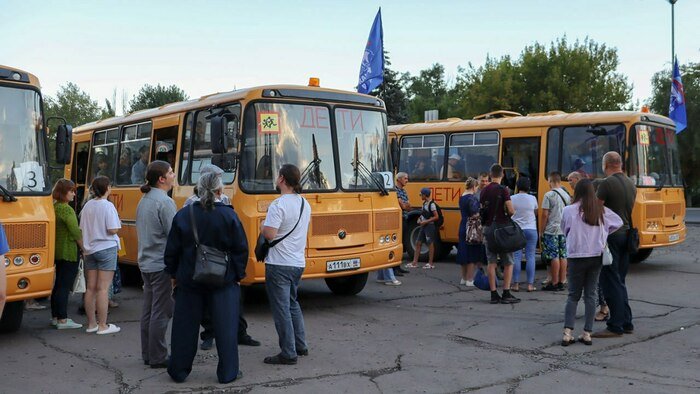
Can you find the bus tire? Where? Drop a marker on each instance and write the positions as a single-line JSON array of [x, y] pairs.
[[410, 242], [641, 255], [347, 285], [12, 316]]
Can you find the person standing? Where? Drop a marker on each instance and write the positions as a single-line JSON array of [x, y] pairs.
[[4, 248], [618, 193], [401, 182], [68, 240], [586, 225], [483, 182], [154, 217], [428, 230], [553, 239], [288, 216], [207, 335], [100, 224], [525, 206], [468, 254], [218, 227], [496, 199], [138, 170]]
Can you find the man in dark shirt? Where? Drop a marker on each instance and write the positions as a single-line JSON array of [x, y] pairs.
[[401, 181], [496, 199], [618, 193]]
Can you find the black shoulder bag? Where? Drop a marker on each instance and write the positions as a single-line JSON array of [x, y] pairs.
[[633, 233], [210, 263], [504, 237], [262, 248]]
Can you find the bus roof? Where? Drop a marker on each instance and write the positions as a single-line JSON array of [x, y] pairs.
[[269, 91], [6, 75], [551, 118]]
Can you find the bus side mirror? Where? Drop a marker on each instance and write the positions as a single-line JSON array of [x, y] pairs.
[[64, 137], [218, 134], [395, 153]]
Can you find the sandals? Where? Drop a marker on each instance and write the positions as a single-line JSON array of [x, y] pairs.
[[602, 316], [515, 288], [411, 265], [568, 339], [428, 266], [585, 338]]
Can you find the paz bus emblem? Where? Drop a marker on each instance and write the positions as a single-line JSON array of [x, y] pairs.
[[342, 234]]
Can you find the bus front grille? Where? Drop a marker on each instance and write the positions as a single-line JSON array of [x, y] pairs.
[[674, 210], [655, 211], [26, 235], [331, 224], [386, 221]]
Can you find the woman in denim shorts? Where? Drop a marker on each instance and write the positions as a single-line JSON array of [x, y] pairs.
[[99, 223]]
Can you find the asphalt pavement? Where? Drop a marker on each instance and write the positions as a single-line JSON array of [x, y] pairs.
[[429, 335]]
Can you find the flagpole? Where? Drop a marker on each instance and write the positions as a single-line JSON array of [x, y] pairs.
[[673, 33]]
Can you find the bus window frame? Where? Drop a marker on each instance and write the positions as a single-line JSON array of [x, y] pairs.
[[560, 146], [445, 142], [241, 145], [90, 176], [632, 141], [336, 150], [119, 149], [498, 145]]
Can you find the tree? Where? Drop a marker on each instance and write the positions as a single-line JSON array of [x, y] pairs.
[[392, 92], [572, 78], [154, 96], [429, 90], [688, 139]]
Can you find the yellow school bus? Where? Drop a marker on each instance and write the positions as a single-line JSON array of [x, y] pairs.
[[338, 140], [538, 144], [26, 207]]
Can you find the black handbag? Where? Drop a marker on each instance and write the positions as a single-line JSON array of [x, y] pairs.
[[504, 237], [262, 248], [211, 263]]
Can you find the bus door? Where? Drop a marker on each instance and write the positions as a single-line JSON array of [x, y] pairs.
[[521, 158], [79, 172], [165, 139]]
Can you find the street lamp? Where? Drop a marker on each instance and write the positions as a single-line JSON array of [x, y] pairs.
[[673, 32]]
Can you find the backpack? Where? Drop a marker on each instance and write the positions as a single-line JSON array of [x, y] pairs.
[[441, 219]]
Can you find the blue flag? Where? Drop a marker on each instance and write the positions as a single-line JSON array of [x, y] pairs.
[[372, 67], [676, 109]]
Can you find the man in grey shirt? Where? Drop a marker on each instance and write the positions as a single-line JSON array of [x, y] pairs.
[[154, 218], [138, 170]]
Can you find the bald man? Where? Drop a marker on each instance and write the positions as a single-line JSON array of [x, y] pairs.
[[618, 193]]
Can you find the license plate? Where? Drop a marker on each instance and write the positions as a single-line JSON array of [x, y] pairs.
[[674, 237], [342, 265]]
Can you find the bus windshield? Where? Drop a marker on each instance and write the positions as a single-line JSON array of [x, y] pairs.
[[654, 157], [276, 134], [22, 162]]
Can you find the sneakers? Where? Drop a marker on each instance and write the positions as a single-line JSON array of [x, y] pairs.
[[303, 352], [469, 283], [248, 341], [111, 329], [32, 305], [69, 324], [508, 298], [394, 282], [568, 337], [280, 360], [207, 344], [551, 287], [462, 281], [495, 298], [560, 286]]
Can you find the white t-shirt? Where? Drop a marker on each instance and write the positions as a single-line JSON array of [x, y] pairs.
[[282, 215], [97, 216], [524, 206]]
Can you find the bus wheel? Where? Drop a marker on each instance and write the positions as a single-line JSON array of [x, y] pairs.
[[12, 316], [347, 285], [410, 243], [641, 255]]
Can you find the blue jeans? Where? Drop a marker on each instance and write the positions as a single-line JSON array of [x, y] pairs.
[[612, 281], [281, 283], [530, 246], [583, 278], [387, 275]]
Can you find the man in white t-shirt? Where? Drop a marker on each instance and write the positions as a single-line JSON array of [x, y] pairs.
[[286, 226]]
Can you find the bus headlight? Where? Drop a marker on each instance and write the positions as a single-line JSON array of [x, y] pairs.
[[394, 237], [34, 259], [18, 260], [386, 239], [381, 239], [7, 261], [22, 283]]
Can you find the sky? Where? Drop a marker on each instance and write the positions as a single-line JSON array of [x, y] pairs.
[[214, 46]]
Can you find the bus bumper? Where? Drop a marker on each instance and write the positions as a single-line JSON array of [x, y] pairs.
[[38, 284], [651, 239], [316, 267]]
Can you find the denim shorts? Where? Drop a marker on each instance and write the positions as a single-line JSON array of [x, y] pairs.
[[427, 234], [103, 260]]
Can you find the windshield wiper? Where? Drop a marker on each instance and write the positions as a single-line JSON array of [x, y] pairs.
[[361, 170], [7, 195], [312, 172], [662, 183]]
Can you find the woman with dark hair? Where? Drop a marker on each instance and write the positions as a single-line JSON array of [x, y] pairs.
[[154, 217], [525, 215], [287, 219], [68, 239], [217, 227], [100, 224], [586, 224], [469, 254]]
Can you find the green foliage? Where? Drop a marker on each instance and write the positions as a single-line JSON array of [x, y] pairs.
[[71, 103], [572, 78], [688, 139], [391, 91], [154, 96], [429, 90]]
